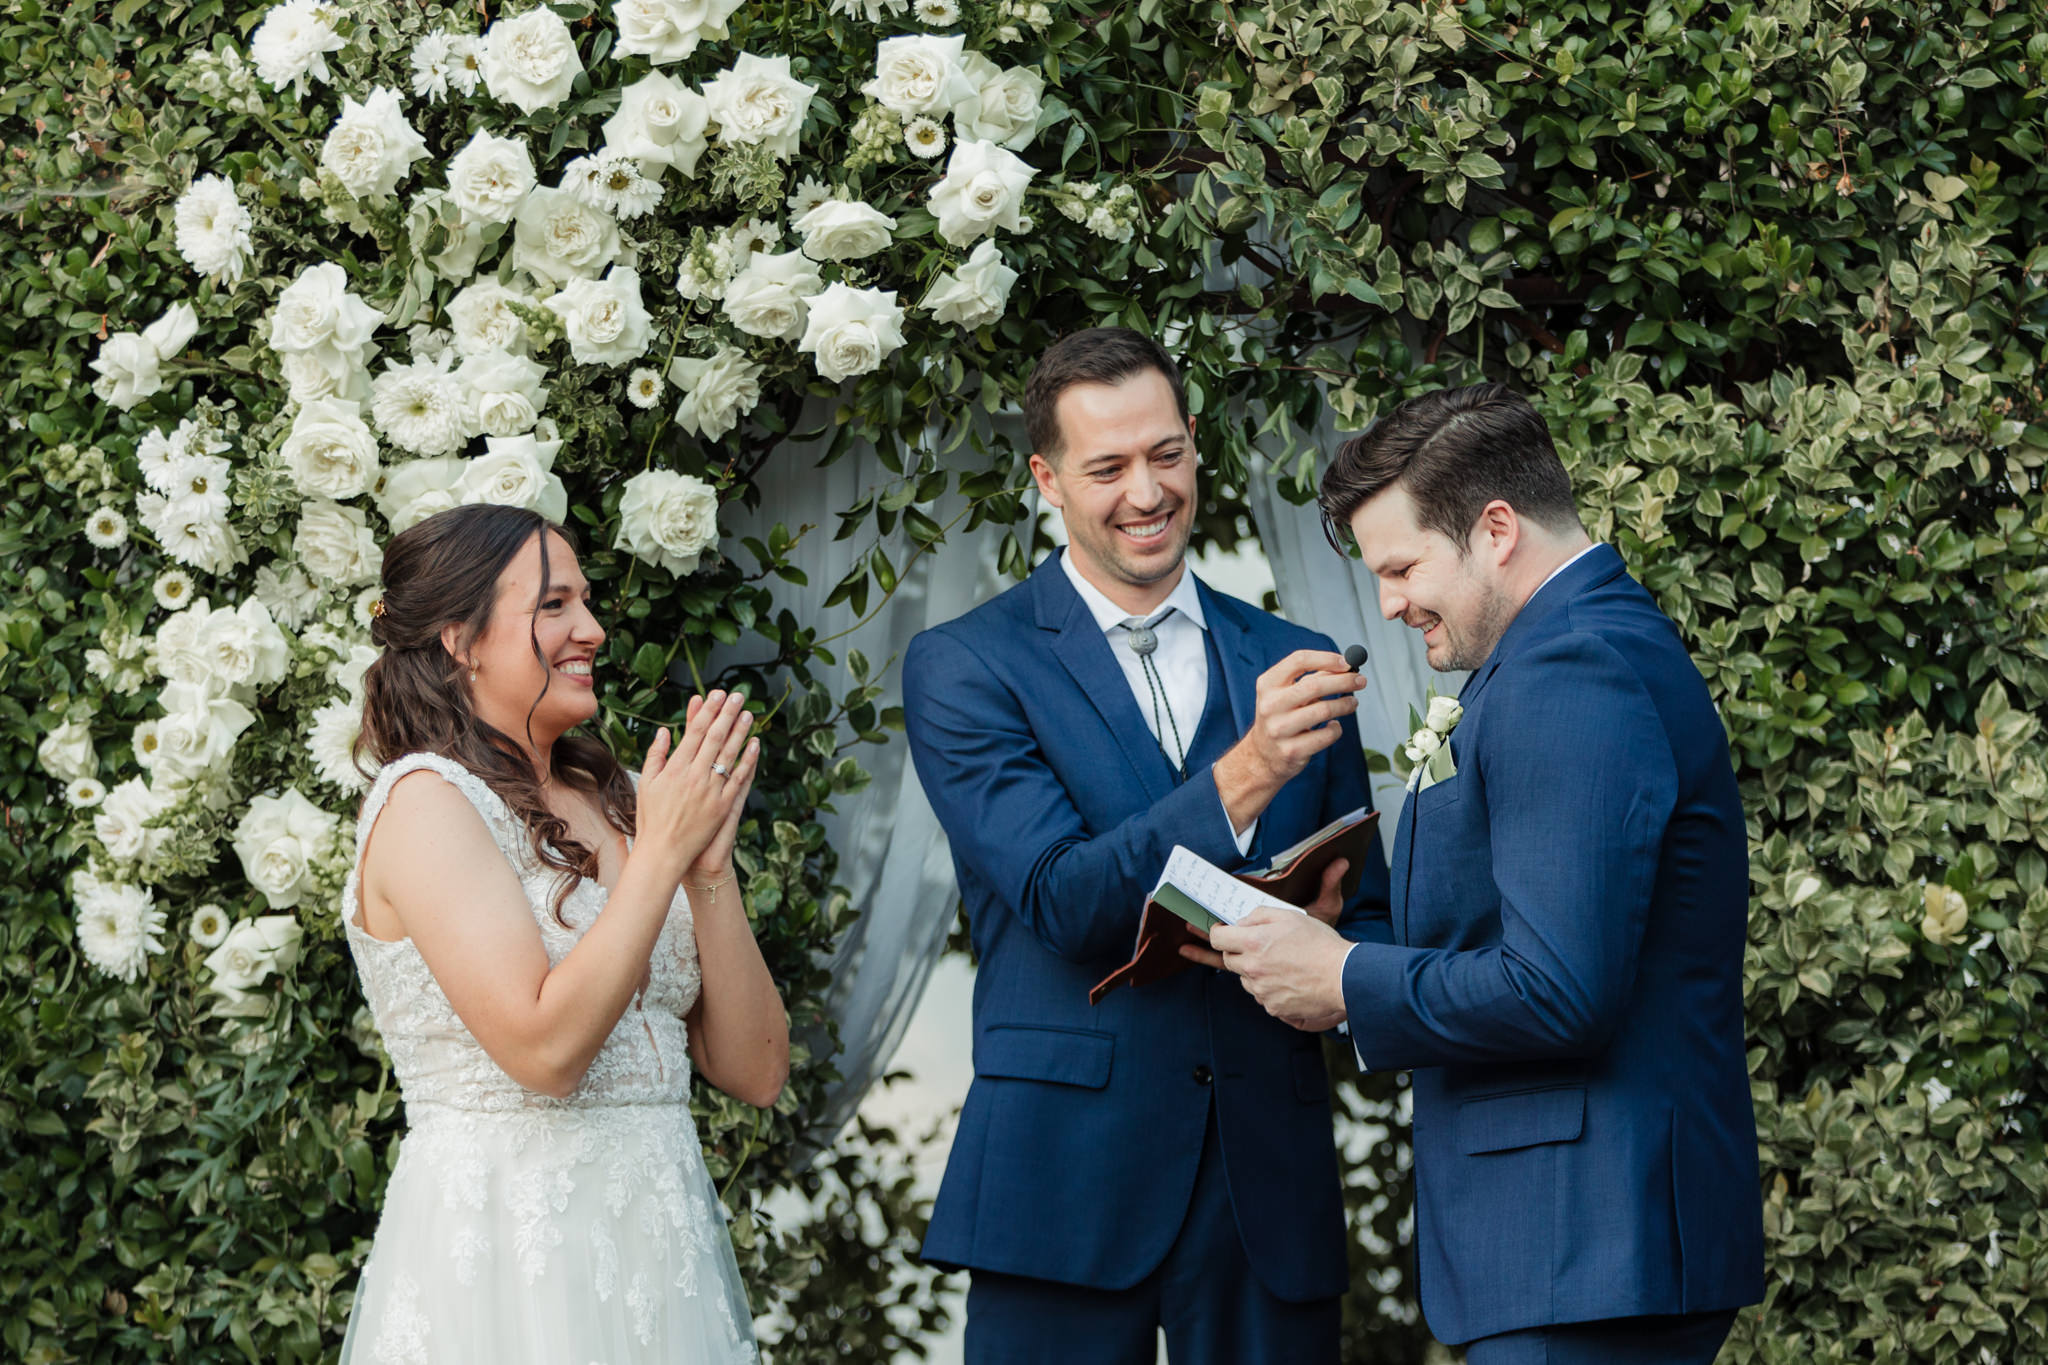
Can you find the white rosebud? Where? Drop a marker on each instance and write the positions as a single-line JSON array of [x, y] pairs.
[[606, 322], [844, 230], [759, 101], [129, 363], [1444, 713], [67, 753], [1425, 742], [852, 331], [330, 452], [976, 293], [668, 519], [768, 298], [983, 190], [490, 177], [530, 60], [716, 392]]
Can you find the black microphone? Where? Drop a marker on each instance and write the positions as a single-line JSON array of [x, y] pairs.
[[1354, 657]]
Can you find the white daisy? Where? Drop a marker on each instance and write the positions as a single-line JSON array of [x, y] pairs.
[[756, 234], [366, 599], [808, 195], [938, 13], [106, 529], [465, 69], [924, 137], [85, 793], [433, 59], [117, 926], [643, 387], [210, 924], [159, 452], [580, 179], [173, 589], [145, 744]]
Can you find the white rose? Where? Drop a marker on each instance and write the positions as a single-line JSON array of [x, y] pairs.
[[324, 373], [843, 230], [665, 31], [336, 544], [716, 392], [290, 46], [277, 841], [530, 60], [1004, 107], [121, 824], [514, 471], [178, 651], [557, 238], [490, 176], [983, 190], [606, 322], [315, 313], [413, 491], [252, 950], [852, 331], [976, 293], [330, 452], [507, 391], [919, 74], [67, 752], [483, 320], [1424, 742], [668, 519], [767, 299], [197, 732], [759, 101], [371, 146], [660, 123], [244, 646], [346, 672], [129, 363], [1444, 712]]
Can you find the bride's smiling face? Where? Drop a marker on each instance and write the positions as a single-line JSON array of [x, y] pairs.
[[552, 617]]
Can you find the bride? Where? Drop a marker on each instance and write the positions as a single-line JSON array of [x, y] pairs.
[[543, 987]]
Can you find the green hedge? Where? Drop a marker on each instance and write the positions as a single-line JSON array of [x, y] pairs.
[[1770, 269]]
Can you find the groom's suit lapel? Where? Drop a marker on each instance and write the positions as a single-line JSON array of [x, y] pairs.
[[1082, 649]]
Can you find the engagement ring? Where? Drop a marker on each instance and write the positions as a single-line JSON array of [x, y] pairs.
[[720, 769]]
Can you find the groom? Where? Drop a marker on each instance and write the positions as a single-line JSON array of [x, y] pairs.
[[1570, 893], [1163, 1159]]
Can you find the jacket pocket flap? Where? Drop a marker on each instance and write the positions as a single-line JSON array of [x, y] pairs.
[[1061, 1056], [1501, 1123]]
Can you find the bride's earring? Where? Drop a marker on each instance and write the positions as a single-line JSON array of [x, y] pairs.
[[472, 672]]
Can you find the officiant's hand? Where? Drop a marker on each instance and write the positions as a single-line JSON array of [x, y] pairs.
[[1301, 699], [1292, 964]]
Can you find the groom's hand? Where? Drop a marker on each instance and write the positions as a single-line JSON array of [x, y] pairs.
[[1299, 699], [1292, 964]]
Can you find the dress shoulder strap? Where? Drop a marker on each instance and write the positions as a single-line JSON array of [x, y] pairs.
[[497, 816]]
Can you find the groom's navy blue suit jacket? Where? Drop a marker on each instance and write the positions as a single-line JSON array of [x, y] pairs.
[[1569, 917], [1077, 1148]]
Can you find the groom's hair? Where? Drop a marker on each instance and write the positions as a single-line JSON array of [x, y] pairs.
[[1455, 451], [1095, 355]]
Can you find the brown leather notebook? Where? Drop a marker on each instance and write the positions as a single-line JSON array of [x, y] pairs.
[[1293, 877]]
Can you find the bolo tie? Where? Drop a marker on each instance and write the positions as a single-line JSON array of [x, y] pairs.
[[1143, 641]]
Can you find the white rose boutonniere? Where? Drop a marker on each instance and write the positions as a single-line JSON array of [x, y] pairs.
[[1428, 750]]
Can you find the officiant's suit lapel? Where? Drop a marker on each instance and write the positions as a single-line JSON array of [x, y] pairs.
[[1085, 652]]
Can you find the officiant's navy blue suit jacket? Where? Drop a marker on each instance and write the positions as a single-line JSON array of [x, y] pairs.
[[1077, 1148], [1569, 917]]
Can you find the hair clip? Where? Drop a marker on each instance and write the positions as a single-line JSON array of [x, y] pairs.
[[377, 607]]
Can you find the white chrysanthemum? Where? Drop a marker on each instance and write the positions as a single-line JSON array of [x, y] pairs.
[[371, 147], [363, 610], [759, 101], [203, 479], [938, 13], [191, 531], [530, 60], [117, 925], [147, 744], [809, 193], [716, 392], [422, 407], [210, 924], [330, 743], [212, 229], [159, 453], [290, 46], [924, 137], [85, 792], [287, 593], [618, 187], [173, 589], [755, 234], [870, 10], [433, 63], [643, 387], [668, 519], [106, 529]]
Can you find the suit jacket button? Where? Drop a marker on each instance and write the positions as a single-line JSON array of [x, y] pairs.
[[1203, 1075]]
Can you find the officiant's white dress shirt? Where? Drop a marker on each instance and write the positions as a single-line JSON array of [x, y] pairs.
[[1182, 659]]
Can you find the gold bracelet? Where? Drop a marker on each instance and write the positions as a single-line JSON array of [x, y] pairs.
[[715, 886]]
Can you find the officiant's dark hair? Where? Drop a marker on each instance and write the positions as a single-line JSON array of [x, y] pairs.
[[417, 698], [1455, 451], [1095, 355]]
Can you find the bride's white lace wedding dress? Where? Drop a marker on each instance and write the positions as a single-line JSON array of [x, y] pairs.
[[522, 1228]]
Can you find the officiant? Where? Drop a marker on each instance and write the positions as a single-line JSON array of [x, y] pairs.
[[1163, 1159]]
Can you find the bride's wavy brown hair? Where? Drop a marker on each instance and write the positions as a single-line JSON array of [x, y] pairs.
[[417, 697]]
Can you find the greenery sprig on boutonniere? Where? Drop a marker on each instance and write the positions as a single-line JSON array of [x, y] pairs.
[[1425, 759]]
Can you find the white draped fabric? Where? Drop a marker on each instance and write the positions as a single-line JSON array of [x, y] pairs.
[[893, 858]]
